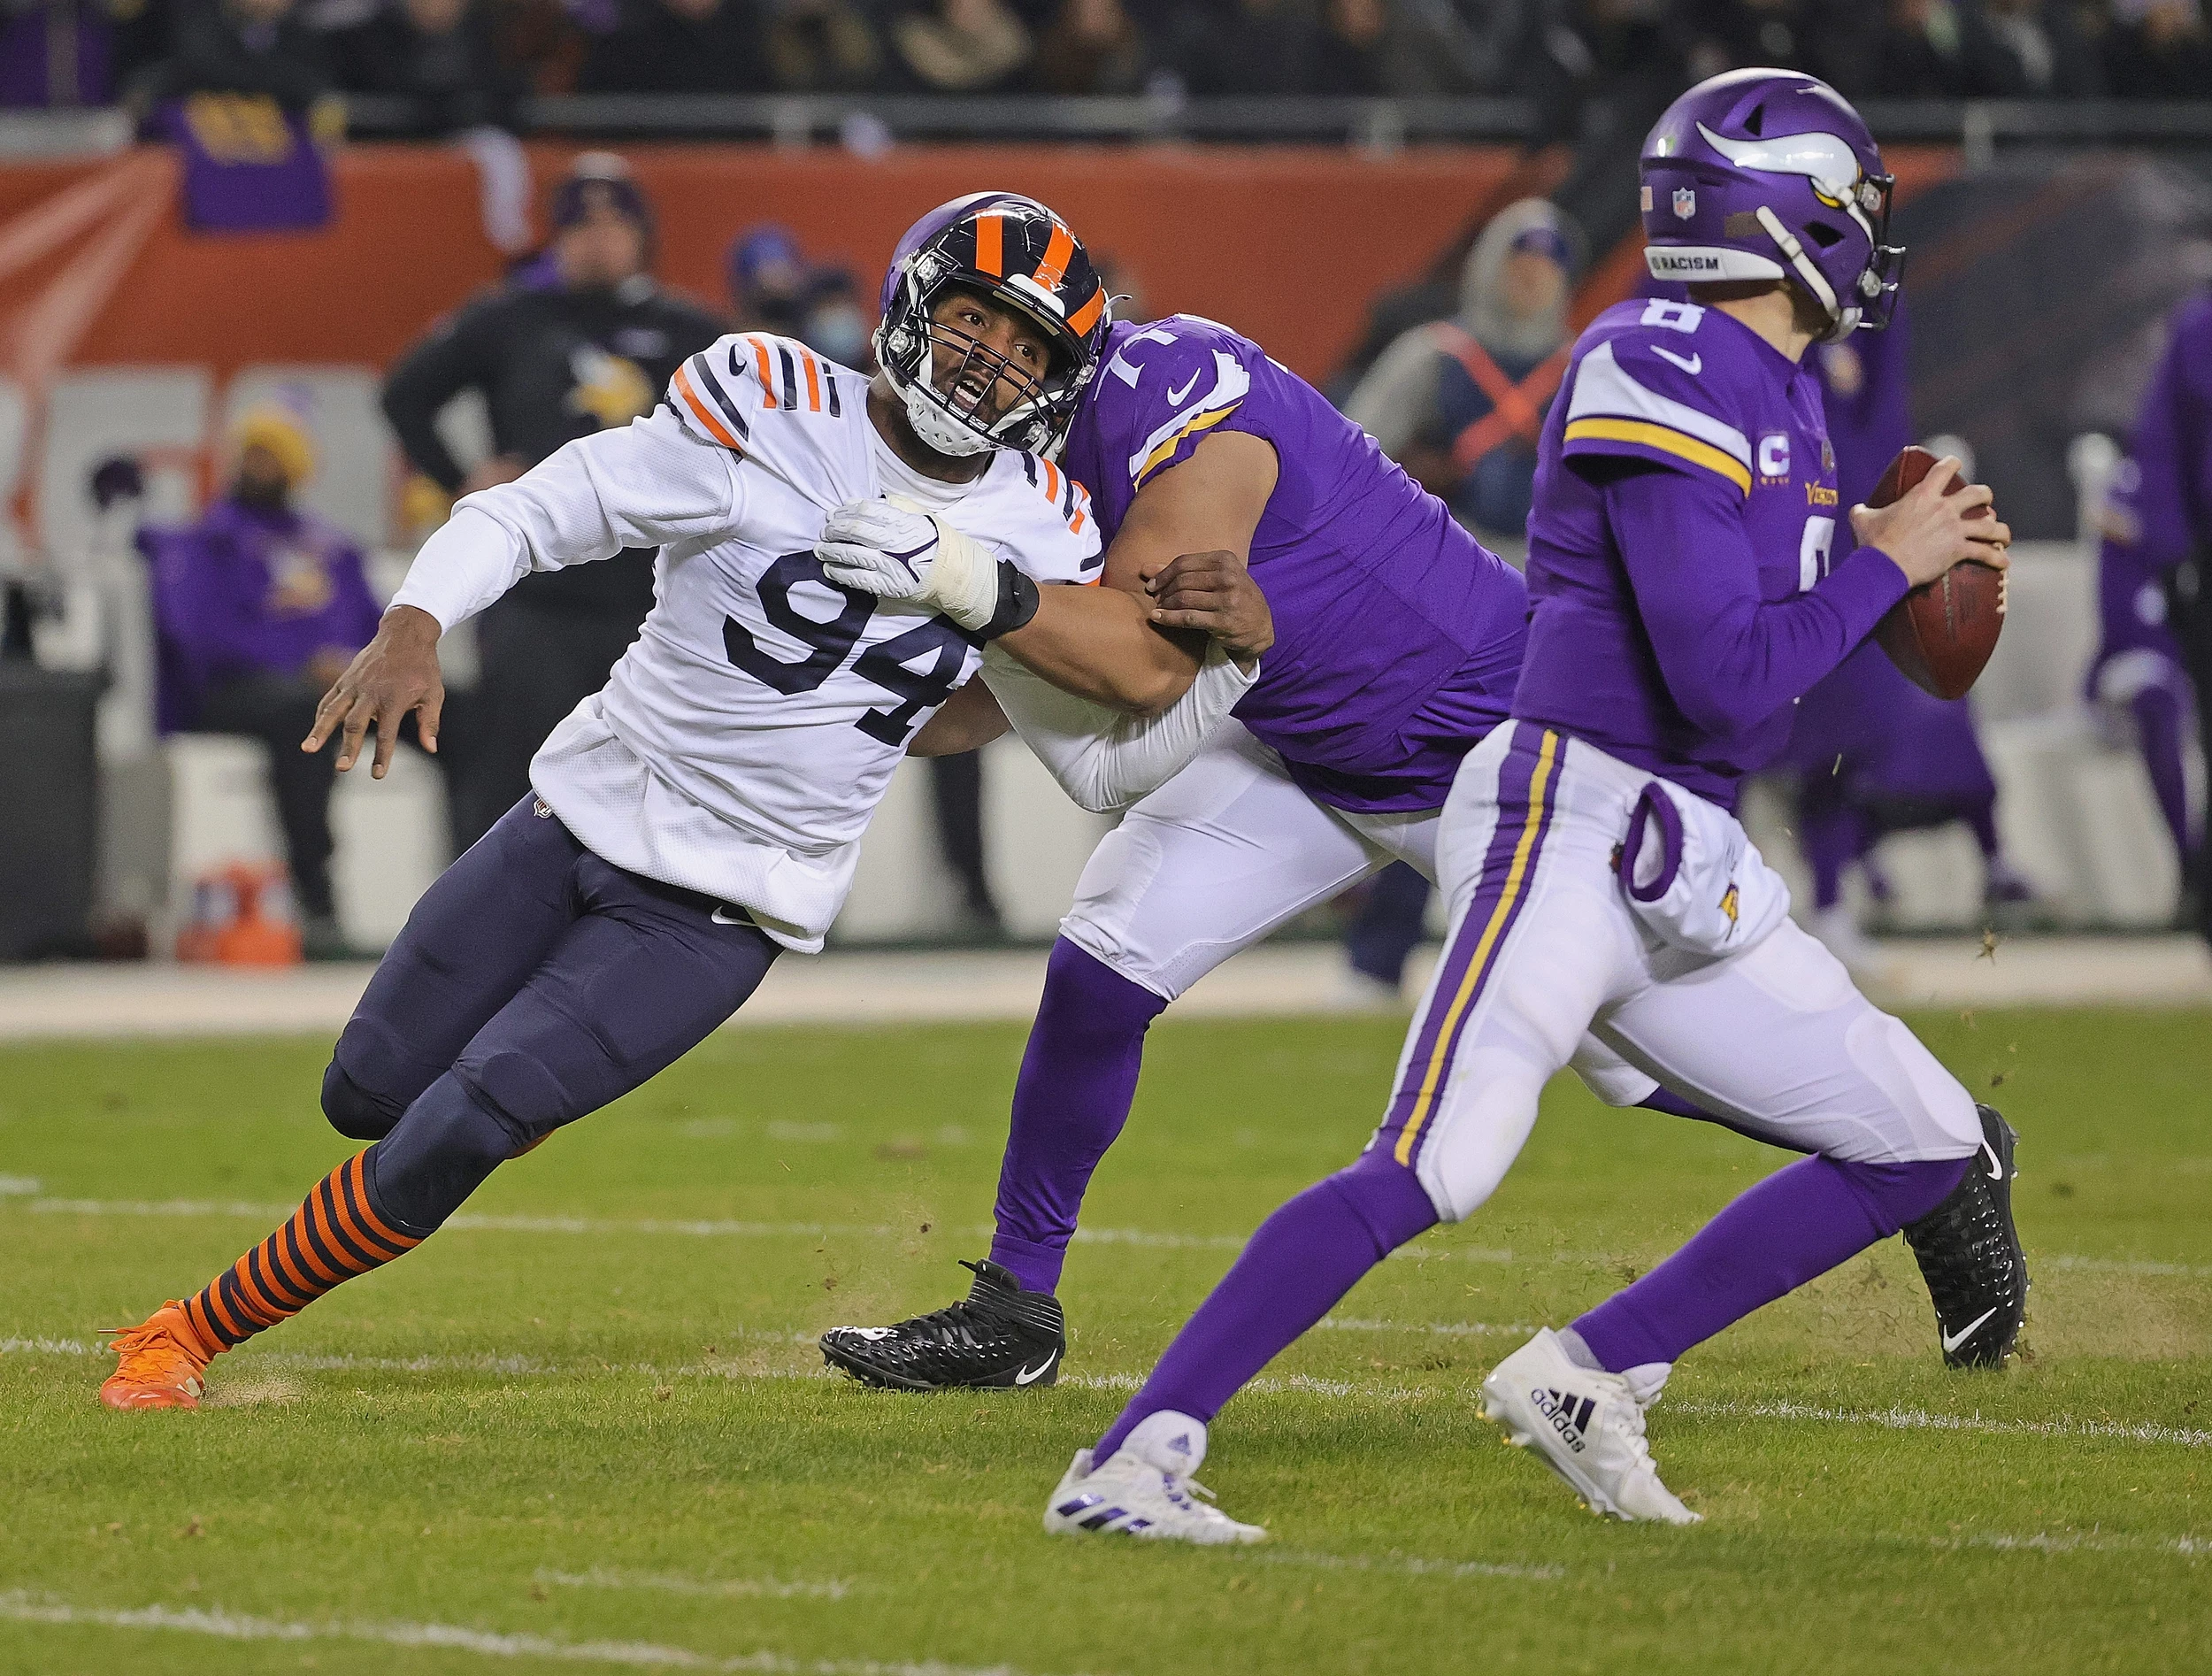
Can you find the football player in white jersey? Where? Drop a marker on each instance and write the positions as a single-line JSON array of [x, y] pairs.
[[703, 812]]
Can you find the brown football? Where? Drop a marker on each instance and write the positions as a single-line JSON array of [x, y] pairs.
[[1941, 633]]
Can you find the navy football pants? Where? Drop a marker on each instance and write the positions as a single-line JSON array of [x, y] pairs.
[[534, 983]]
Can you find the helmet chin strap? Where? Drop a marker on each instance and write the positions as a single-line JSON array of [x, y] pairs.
[[1841, 321]]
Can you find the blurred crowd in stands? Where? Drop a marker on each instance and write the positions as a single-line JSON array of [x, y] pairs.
[[466, 63]]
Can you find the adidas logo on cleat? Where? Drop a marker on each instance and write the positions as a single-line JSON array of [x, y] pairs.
[[1569, 1414]]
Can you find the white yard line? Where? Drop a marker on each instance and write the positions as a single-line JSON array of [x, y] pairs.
[[1155, 1239], [155, 998], [1917, 1419], [2122, 1265], [23, 1607], [1398, 1565], [1438, 1329], [2191, 1548], [728, 1228], [833, 1588]]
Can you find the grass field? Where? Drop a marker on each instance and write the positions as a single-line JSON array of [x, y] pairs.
[[587, 1427]]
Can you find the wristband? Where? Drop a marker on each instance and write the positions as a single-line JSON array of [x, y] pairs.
[[1017, 601]]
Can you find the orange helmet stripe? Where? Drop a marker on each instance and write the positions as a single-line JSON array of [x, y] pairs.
[[1053, 267], [1085, 318], [990, 245]]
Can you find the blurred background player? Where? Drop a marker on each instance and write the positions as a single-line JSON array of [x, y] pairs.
[[1459, 404], [2152, 581], [258, 606], [581, 342]]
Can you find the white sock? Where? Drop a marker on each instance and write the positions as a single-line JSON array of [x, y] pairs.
[[1174, 1442]]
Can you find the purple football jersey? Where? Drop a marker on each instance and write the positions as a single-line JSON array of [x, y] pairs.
[[2132, 599], [1866, 385], [1398, 636], [1677, 614]]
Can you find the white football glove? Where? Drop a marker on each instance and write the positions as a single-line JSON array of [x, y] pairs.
[[893, 549]]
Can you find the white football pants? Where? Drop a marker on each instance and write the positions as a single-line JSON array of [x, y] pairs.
[[1230, 850], [1773, 1040]]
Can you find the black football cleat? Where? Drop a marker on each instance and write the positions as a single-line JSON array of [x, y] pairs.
[[1968, 1253], [997, 1335]]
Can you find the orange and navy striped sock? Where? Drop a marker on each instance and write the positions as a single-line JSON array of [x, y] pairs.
[[336, 1235]]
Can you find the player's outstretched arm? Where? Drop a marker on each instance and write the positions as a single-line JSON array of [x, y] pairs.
[[1178, 560], [1175, 575], [968, 720]]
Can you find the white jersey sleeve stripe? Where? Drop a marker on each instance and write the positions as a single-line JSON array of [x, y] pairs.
[[1232, 384], [1604, 390]]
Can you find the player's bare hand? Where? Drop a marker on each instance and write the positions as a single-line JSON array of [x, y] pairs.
[[1214, 593], [1926, 531], [394, 674]]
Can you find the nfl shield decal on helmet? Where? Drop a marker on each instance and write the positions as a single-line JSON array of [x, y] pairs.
[[1684, 201]]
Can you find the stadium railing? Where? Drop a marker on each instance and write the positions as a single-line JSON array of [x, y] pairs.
[[1372, 123]]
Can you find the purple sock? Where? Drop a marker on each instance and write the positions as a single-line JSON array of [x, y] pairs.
[[1832, 837], [1078, 1078], [2158, 731], [1292, 1273], [1981, 819], [1800, 1222]]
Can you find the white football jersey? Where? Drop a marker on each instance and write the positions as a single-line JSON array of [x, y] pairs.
[[742, 743]]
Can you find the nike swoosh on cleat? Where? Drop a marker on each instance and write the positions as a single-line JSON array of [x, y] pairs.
[[1996, 1164], [1692, 366], [1952, 1340], [721, 917], [1031, 1375], [1175, 397]]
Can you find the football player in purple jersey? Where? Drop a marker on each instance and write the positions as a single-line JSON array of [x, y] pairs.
[[2156, 643], [1685, 587]]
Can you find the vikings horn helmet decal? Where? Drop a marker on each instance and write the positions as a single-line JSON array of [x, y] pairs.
[[1785, 181], [1018, 253]]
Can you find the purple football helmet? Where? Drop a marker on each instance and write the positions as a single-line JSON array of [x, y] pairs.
[[1771, 174]]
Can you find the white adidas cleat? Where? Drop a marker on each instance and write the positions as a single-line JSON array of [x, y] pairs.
[[1145, 1488], [1587, 1426]]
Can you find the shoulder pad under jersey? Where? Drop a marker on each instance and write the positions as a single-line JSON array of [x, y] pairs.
[[1649, 383], [775, 403], [1045, 523], [1165, 385]]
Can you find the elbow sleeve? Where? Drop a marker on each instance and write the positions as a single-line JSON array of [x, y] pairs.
[[1104, 761]]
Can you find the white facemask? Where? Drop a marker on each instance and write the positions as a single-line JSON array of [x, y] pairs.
[[938, 429]]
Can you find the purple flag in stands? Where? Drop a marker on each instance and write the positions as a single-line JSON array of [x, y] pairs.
[[249, 165], [56, 57]]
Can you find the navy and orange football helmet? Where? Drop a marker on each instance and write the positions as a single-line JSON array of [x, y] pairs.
[[1019, 254]]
